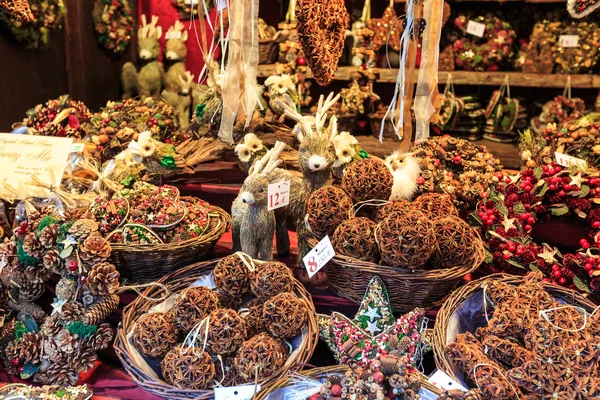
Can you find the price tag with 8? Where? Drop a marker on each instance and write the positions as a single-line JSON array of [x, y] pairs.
[[279, 195], [318, 256]]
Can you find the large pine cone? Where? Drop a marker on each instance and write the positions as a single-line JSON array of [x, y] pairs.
[[51, 326], [94, 249], [72, 311], [67, 342], [52, 261], [60, 374], [29, 348], [103, 279], [37, 273], [30, 291], [48, 236], [82, 228], [32, 246], [8, 252], [12, 276], [83, 359], [102, 338]]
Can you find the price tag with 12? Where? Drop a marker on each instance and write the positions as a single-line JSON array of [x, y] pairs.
[[279, 195]]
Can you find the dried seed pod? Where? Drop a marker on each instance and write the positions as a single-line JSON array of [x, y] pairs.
[[368, 179], [356, 238], [436, 205], [193, 305], [454, 243], [258, 358], [270, 279], [155, 334], [285, 315], [232, 275], [191, 370], [326, 208], [226, 331]]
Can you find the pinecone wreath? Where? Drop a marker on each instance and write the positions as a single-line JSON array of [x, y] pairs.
[[193, 305], [72, 311], [155, 334], [232, 275], [94, 249], [271, 279], [37, 273], [226, 331], [29, 348], [103, 279], [102, 338], [259, 358], [285, 315], [188, 368], [52, 261]]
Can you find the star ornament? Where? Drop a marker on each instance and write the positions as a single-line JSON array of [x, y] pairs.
[[577, 180], [548, 255], [373, 331], [388, 24], [508, 223]]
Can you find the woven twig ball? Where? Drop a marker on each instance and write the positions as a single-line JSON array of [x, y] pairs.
[[155, 334], [226, 366], [285, 315], [405, 240], [326, 208], [232, 275], [436, 205], [226, 331], [367, 179], [193, 305], [194, 369], [394, 206], [356, 238], [252, 314], [259, 358], [454, 243], [270, 279]]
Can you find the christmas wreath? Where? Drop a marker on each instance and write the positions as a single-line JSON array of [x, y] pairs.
[[113, 22], [508, 212], [48, 15], [186, 8]]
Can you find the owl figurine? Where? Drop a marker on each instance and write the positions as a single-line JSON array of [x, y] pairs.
[[278, 86], [405, 169]]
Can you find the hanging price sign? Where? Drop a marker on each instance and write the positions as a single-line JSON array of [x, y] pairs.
[[318, 256], [475, 28], [566, 161], [568, 41], [279, 195]]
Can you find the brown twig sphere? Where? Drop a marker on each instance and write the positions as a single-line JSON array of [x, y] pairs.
[[259, 358], [193, 305], [253, 316], [270, 279], [356, 238], [454, 243], [405, 240], [193, 369], [155, 334], [399, 205], [326, 208], [368, 179], [232, 275], [226, 331], [436, 205], [285, 315]]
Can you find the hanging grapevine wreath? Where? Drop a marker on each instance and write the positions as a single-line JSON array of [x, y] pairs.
[[113, 23], [508, 213], [48, 15], [186, 8]]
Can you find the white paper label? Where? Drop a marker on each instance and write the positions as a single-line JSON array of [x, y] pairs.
[[221, 5], [22, 156], [318, 256], [475, 28], [566, 161], [192, 2], [236, 392], [77, 147], [279, 195], [444, 381], [568, 40]]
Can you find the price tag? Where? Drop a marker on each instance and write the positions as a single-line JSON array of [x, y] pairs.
[[279, 195], [442, 380], [77, 148], [318, 256], [568, 41], [566, 161], [236, 392], [475, 28], [192, 2]]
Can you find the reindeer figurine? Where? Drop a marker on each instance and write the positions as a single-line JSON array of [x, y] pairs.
[[181, 100], [175, 54], [148, 81]]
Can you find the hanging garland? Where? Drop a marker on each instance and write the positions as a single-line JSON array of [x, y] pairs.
[[48, 15], [113, 22], [186, 8], [508, 213]]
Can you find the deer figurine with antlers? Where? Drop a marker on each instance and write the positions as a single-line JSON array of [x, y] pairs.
[[175, 54], [148, 81], [181, 99]]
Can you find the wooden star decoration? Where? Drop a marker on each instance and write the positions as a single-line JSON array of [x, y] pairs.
[[388, 24], [577, 180], [548, 255], [373, 330], [508, 223]]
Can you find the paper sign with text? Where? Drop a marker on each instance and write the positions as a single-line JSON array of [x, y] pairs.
[[442, 380], [236, 392], [568, 40], [475, 28], [566, 161], [279, 195], [22, 156], [318, 256]]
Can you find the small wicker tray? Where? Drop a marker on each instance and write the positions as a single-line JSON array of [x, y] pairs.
[[175, 282], [148, 262]]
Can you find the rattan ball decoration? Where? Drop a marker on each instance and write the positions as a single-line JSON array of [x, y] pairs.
[[326, 208], [193, 305], [226, 331], [253, 317], [399, 205], [436, 205], [232, 275], [285, 315], [188, 368], [368, 179], [155, 334], [270, 279], [259, 358], [356, 238], [405, 240], [228, 368], [454, 243]]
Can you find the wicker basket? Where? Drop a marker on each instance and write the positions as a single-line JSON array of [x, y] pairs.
[[149, 262], [388, 128], [349, 277], [267, 51], [177, 281], [460, 295]]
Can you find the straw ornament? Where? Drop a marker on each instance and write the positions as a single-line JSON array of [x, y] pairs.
[[356, 238], [270, 279], [226, 332], [258, 358], [189, 369], [193, 305], [326, 208], [155, 334], [285, 315], [368, 178]]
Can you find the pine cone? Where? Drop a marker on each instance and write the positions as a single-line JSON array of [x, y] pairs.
[[53, 352], [82, 228], [72, 311], [51, 326], [67, 342], [52, 261], [102, 338], [60, 374], [95, 249], [30, 291], [48, 236], [32, 246], [37, 273], [29, 348], [103, 279], [82, 360], [101, 309], [12, 276], [8, 252]]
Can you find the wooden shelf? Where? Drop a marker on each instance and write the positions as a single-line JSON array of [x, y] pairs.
[[517, 79]]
